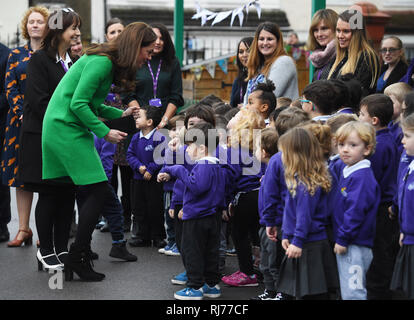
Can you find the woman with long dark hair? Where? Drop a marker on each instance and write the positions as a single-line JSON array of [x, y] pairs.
[[269, 60], [71, 119], [240, 84], [159, 82]]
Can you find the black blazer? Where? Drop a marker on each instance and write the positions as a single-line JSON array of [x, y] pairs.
[[396, 74]]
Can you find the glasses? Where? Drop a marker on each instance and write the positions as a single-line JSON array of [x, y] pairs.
[[390, 50], [302, 101]]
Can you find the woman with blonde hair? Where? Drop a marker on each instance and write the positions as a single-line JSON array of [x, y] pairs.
[[394, 64], [268, 59], [33, 27], [322, 42], [354, 54]]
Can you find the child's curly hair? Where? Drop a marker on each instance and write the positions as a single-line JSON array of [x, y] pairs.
[[243, 132]]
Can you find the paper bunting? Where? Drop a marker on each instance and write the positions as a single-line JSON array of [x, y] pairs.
[[206, 15], [211, 68], [197, 72], [223, 65]]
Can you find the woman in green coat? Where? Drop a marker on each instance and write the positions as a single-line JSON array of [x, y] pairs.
[[68, 151]]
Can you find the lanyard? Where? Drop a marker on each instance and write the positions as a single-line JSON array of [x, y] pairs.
[[241, 94], [155, 79], [63, 66]]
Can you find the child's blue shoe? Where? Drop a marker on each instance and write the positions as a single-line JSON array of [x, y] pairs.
[[189, 294], [211, 292], [166, 248], [180, 278], [172, 251]]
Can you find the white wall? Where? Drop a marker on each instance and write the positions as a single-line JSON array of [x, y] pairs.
[[11, 14]]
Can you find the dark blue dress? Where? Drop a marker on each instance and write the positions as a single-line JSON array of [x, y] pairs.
[[15, 85]]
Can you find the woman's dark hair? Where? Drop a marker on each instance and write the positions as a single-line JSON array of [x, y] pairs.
[[123, 52], [111, 22], [168, 53], [54, 35], [267, 96], [242, 74]]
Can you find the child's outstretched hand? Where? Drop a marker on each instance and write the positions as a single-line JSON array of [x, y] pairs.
[[293, 251], [338, 249]]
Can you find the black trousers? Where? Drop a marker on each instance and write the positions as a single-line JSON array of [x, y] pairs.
[[53, 216], [178, 227], [126, 187], [90, 211], [148, 209], [200, 250], [245, 229], [385, 250]]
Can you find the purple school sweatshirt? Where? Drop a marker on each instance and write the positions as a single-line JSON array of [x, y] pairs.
[[305, 215], [204, 187], [356, 206], [397, 134], [143, 151], [106, 151], [384, 164], [406, 203]]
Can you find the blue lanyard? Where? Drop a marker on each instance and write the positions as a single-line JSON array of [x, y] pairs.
[[155, 79]]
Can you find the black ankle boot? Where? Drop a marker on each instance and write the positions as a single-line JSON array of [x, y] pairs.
[[120, 251], [79, 261]]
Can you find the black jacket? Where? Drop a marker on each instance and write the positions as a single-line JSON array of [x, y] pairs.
[[396, 74]]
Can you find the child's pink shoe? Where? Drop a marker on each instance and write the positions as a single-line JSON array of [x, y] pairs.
[[240, 279]]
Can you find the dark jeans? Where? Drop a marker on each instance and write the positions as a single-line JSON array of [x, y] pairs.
[[90, 211], [148, 209], [126, 186], [200, 250], [53, 216], [112, 211], [245, 229], [385, 250], [169, 222]]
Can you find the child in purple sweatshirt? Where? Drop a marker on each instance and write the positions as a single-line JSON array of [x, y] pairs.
[[203, 202], [377, 110], [145, 157], [308, 269], [356, 209], [403, 273]]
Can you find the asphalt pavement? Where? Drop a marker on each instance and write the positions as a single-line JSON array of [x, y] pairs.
[[146, 279]]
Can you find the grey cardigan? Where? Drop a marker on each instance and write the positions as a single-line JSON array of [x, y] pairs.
[[284, 75]]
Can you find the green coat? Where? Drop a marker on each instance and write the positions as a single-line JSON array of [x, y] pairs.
[[68, 148]]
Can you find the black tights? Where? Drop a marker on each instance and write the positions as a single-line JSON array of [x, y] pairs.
[[90, 211], [53, 216]]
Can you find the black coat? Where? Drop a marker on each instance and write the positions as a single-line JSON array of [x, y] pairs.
[[396, 74], [4, 105]]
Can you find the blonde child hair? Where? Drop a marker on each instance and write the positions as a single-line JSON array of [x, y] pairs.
[[268, 140], [322, 132], [398, 90], [243, 133], [303, 161], [365, 131]]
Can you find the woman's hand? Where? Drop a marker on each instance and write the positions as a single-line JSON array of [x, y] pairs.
[[133, 108], [115, 136]]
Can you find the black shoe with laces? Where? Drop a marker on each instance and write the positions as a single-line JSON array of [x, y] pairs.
[[120, 251], [266, 295]]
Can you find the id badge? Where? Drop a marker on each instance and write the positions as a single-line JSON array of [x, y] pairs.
[[155, 102]]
